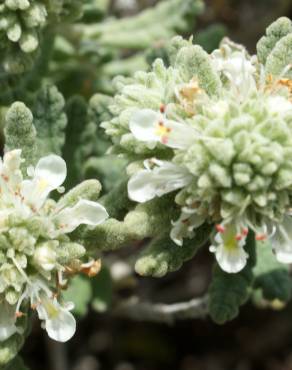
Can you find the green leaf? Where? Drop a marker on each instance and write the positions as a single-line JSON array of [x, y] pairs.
[[102, 290], [10, 348], [16, 364], [76, 110], [227, 292], [278, 29], [163, 255], [271, 276], [280, 58], [80, 293], [50, 120], [20, 132]]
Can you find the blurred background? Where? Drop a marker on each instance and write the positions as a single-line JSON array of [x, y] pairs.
[[110, 337]]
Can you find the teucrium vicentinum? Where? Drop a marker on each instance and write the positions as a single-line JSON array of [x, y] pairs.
[[206, 139]]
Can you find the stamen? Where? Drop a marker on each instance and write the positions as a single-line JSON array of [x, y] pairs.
[[162, 108], [238, 237], [244, 231], [261, 237], [220, 228], [19, 314]]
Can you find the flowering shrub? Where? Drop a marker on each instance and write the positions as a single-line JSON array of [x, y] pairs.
[[193, 151]]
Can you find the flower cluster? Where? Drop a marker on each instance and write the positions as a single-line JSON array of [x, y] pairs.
[[36, 253], [217, 129]]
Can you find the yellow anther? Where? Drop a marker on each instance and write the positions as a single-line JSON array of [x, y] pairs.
[[162, 131]]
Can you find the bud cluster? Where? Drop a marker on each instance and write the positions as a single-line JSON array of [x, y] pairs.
[[218, 128]]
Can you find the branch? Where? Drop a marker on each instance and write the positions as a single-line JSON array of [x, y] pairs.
[[162, 313]]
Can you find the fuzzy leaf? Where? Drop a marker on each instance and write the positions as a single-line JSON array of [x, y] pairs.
[[280, 58], [163, 255], [20, 132], [278, 29], [49, 120], [227, 292]]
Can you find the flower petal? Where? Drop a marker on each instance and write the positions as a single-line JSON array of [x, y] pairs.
[[62, 326], [228, 248], [147, 184], [149, 126], [143, 123], [84, 212], [49, 174], [231, 261], [282, 241], [185, 226]]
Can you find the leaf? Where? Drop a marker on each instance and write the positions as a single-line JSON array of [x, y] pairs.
[[271, 276], [102, 290], [227, 292], [275, 32], [80, 293], [280, 58], [20, 132], [50, 120], [9, 348], [16, 364], [163, 255]]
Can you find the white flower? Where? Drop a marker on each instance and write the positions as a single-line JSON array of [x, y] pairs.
[[49, 173], [59, 323], [57, 320], [228, 248], [84, 212], [236, 67], [152, 127], [185, 225], [162, 179]]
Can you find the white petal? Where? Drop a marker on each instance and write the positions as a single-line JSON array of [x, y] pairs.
[[149, 126], [147, 184], [184, 227], [231, 260], [52, 169], [229, 251], [143, 123], [282, 241], [49, 174], [84, 212], [61, 327]]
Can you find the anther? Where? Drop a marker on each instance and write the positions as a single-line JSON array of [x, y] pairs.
[[261, 237], [162, 108], [244, 231], [220, 228]]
